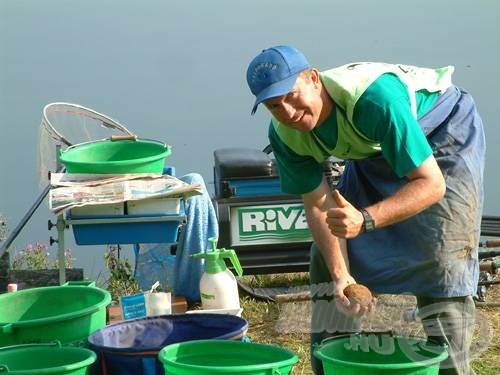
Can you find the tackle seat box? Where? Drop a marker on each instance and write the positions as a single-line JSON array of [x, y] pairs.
[[265, 226], [255, 217], [240, 172]]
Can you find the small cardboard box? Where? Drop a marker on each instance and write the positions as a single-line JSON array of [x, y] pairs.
[[154, 206]]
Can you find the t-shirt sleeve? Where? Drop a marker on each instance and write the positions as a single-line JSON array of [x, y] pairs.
[[298, 174], [383, 114]]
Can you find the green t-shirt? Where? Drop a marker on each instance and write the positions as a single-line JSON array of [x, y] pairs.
[[383, 114]]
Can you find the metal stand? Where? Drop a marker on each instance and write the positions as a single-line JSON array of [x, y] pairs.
[[61, 226]]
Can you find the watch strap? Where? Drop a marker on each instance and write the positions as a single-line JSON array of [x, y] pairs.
[[368, 222]]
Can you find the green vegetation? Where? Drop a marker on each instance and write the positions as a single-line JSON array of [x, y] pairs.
[[37, 257], [121, 281]]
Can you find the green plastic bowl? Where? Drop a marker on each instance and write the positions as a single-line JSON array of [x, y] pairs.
[[68, 314], [374, 354], [212, 357], [45, 360], [116, 157]]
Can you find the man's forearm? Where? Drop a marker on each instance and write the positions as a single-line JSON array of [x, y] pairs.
[[332, 249], [426, 186]]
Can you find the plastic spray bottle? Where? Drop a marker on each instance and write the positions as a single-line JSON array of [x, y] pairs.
[[218, 287]]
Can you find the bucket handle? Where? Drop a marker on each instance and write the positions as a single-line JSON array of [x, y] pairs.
[[5, 368], [55, 343]]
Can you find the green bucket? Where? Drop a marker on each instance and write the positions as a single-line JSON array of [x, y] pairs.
[[373, 354], [211, 357], [116, 157], [38, 359], [68, 313]]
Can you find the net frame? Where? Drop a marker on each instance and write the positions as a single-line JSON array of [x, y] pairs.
[[65, 125], [78, 110]]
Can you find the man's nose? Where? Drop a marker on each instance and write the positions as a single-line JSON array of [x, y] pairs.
[[287, 110]]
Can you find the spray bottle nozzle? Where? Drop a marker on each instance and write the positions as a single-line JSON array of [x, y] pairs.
[[214, 259]]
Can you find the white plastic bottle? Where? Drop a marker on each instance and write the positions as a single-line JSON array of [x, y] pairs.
[[218, 287]]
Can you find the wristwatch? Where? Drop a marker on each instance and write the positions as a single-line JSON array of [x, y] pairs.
[[368, 222]]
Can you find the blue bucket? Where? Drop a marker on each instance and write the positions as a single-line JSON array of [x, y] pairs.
[[132, 346]]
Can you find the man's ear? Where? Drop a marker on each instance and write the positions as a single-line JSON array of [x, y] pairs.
[[315, 76]]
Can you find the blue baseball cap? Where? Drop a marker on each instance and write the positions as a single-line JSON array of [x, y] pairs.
[[274, 71]]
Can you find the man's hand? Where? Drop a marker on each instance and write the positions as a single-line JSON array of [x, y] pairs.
[[345, 306], [345, 221]]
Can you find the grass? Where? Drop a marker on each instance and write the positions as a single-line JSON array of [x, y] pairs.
[[286, 324]]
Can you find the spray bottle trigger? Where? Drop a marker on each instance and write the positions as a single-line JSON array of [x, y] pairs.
[[226, 253], [235, 262]]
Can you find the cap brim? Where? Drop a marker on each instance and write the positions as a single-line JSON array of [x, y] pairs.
[[276, 89]]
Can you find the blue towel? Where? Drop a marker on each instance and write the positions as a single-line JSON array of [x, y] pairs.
[[201, 225]]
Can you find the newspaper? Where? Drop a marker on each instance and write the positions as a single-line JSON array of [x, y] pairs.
[[76, 190]]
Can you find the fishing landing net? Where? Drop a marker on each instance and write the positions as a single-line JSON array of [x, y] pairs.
[[67, 124]]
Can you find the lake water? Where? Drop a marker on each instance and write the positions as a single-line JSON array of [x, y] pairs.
[[175, 71]]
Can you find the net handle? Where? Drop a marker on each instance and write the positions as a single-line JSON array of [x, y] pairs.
[[106, 120], [124, 137]]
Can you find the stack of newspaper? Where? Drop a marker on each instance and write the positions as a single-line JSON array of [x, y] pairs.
[[79, 189]]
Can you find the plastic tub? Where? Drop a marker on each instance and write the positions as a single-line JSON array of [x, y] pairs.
[[132, 346], [116, 157], [211, 357], [126, 229], [67, 313], [43, 359], [373, 354]]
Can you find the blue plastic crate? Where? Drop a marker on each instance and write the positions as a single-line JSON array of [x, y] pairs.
[[126, 229]]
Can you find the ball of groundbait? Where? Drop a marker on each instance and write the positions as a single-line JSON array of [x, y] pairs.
[[358, 293]]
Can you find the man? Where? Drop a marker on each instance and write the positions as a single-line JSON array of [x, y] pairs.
[[406, 216]]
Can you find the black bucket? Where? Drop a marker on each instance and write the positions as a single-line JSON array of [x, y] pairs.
[[132, 346]]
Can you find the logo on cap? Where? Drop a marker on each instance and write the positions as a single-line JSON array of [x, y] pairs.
[[260, 71], [274, 71]]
